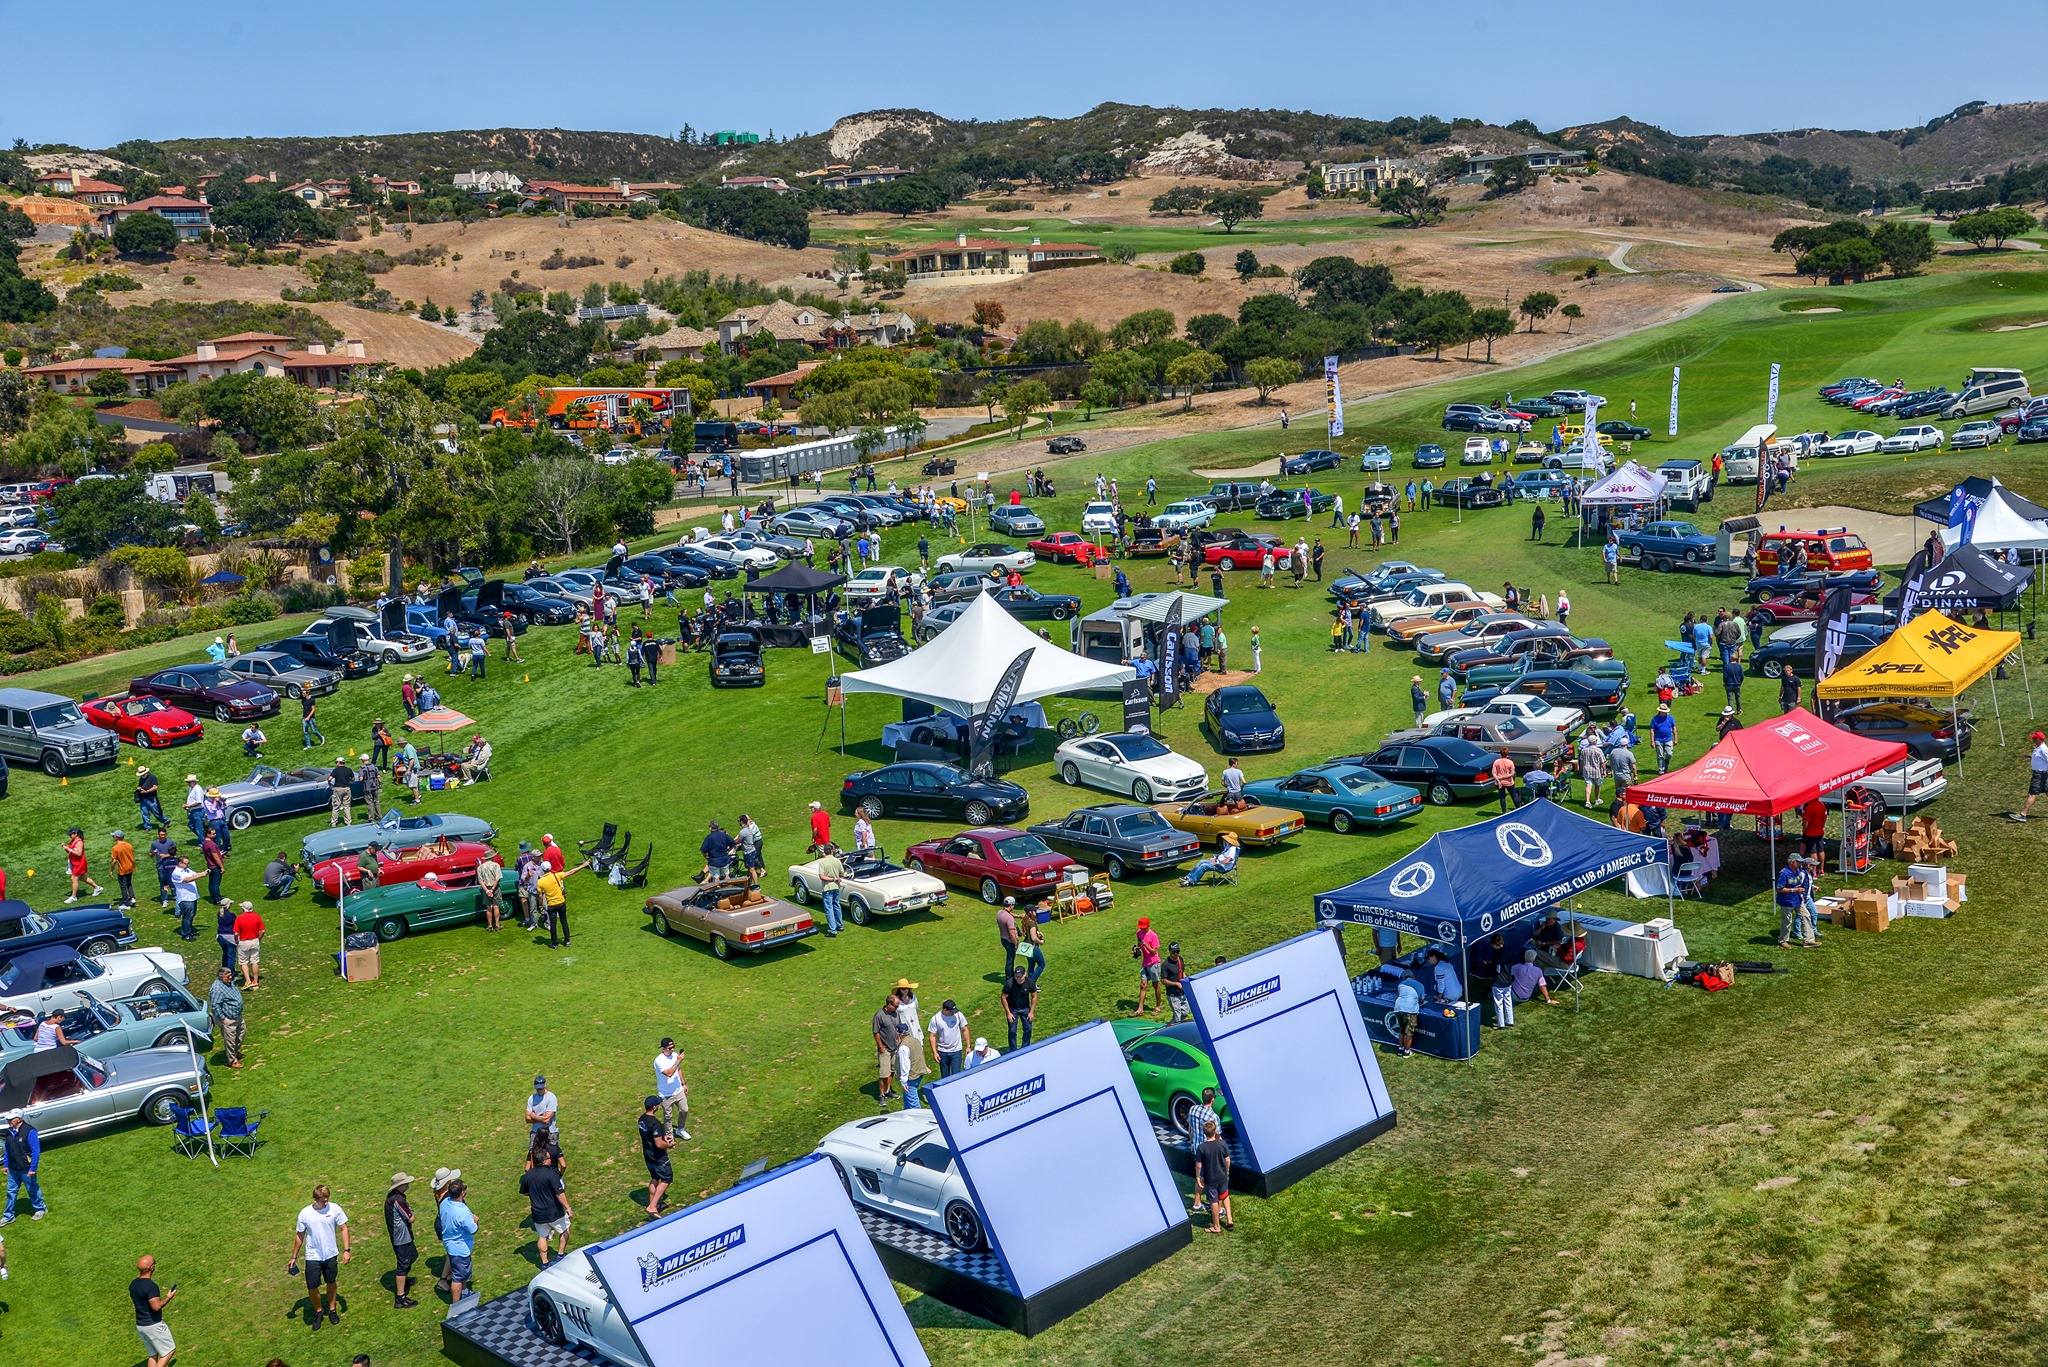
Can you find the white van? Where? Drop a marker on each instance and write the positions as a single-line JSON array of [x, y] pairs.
[[1740, 459], [1989, 391], [17, 515]]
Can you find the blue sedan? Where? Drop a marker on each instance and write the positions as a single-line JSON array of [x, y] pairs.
[[1241, 720], [1342, 796]]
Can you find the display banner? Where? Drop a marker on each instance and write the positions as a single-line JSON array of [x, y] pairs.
[[1963, 507], [1333, 393], [1771, 402], [981, 742], [1911, 581], [1065, 1111], [1766, 472], [714, 1282], [1169, 655], [1832, 632], [1137, 705], [1674, 402], [1291, 1053]]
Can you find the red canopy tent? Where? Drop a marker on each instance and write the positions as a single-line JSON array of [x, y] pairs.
[[1772, 767]]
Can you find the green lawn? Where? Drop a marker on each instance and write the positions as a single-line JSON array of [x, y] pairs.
[[1194, 233], [1612, 1182]]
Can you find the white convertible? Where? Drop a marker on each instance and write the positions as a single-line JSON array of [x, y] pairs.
[[1130, 762], [985, 556], [899, 1163], [1532, 711], [871, 886], [57, 977], [570, 1309]]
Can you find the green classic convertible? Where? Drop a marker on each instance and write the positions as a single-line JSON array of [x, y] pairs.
[[401, 908], [1170, 1067]]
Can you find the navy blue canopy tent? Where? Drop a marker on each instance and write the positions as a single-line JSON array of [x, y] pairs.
[[1461, 886]]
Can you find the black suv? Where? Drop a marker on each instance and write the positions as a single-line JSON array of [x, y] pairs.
[[320, 652]]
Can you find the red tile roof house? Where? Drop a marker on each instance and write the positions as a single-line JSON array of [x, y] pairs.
[[191, 218], [965, 256], [562, 195], [263, 352], [76, 377], [101, 192]]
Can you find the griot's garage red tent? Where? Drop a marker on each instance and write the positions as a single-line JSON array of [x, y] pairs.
[[1772, 767]]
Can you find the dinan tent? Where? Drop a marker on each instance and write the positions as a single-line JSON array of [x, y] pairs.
[[1932, 656], [958, 670], [1775, 766], [1967, 580]]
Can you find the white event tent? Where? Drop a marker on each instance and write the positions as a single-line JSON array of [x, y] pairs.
[[957, 671], [1999, 526], [1629, 486]]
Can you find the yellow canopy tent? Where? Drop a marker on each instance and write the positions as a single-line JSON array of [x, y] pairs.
[[1932, 656]]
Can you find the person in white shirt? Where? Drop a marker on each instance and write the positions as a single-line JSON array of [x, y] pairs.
[[541, 1108], [2037, 775], [669, 1088], [863, 832], [322, 1235], [981, 1053], [910, 1048], [948, 1038]]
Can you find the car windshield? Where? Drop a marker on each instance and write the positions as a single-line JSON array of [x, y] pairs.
[[35, 923], [1845, 436], [1021, 511], [1364, 781], [947, 774], [1012, 848], [1137, 747], [1140, 823], [1415, 597], [1534, 707], [204, 675], [57, 714], [1236, 701]]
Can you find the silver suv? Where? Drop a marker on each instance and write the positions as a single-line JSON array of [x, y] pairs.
[[48, 730]]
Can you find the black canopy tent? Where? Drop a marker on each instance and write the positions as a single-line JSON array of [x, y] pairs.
[[792, 578], [1968, 579]]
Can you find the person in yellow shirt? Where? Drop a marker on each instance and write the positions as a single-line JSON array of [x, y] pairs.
[[557, 901]]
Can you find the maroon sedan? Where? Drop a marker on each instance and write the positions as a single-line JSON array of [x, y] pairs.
[[995, 861]]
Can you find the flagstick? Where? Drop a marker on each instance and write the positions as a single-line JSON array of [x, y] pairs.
[[199, 1075]]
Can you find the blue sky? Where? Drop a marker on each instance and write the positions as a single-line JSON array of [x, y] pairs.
[[375, 66]]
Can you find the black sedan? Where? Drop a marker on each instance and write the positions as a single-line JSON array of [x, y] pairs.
[[546, 608], [1283, 504], [736, 660], [90, 930], [943, 790], [1624, 431], [207, 690], [1775, 585], [1120, 837], [1472, 493], [1443, 768], [1027, 604], [869, 644], [1242, 721], [658, 566], [1795, 648], [1429, 456], [692, 559], [320, 653], [1310, 461], [1559, 688]]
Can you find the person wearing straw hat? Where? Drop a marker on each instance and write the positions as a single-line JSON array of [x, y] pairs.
[[436, 1185], [398, 1224], [1418, 697], [1224, 862]]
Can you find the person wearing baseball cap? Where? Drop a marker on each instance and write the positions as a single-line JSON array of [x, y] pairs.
[[2037, 776], [1151, 968], [655, 1142], [541, 1108]]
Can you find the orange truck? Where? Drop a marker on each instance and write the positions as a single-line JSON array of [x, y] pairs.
[[610, 409]]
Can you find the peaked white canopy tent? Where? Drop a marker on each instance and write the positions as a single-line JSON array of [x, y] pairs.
[[957, 671], [1631, 485], [1999, 526]]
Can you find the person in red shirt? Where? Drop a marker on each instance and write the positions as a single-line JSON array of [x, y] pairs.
[[74, 854], [1015, 498], [1813, 827], [821, 825], [551, 854], [249, 944]]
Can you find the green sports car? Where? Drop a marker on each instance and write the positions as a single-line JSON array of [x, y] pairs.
[[401, 908], [1170, 1067]]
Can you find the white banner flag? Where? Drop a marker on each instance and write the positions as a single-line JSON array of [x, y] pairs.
[[1334, 394], [1672, 431], [1771, 407]]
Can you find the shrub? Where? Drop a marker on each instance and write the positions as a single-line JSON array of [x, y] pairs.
[[247, 609], [1188, 263]]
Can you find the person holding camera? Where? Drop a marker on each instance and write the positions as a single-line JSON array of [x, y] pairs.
[[150, 1304]]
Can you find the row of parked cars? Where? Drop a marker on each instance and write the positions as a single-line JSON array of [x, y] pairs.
[[1986, 390]]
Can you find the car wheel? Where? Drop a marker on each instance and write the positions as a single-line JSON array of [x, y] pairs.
[[1692, 555], [391, 928], [1141, 791], [1342, 821], [97, 945], [1071, 773], [391, 657], [1226, 564], [142, 740], [977, 814], [991, 891], [914, 865], [1117, 869], [1179, 1109], [547, 1321], [240, 818], [170, 1038], [798, 893], [720, 948], [1771, 669], [157, 1110], [857, 911], [871, 808], [1059, 614], [292, 690], [963, 1226], [1663, 564], [54, 764], [1440, 794], [152, 987], [1766, 616]]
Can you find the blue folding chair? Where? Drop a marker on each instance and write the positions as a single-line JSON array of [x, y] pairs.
[[190, 1130], [237, 1131]]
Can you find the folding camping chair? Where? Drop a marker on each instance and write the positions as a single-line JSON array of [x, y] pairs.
[[237, 1131], [190, 1130], [603, 861], [602, 846], [624, 875]]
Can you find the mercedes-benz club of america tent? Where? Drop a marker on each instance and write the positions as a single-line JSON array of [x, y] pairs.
[[1461, 886], [1775, 766], [957, 671], [1932, 656], [1630, 486]]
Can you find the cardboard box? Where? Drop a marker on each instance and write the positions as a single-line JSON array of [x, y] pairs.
[[1872, 918], [1933, 876], [668, 655], [362, 965]]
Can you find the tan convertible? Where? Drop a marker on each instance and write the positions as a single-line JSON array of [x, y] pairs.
[[733, 917], [1448, 617], [1207, 818]]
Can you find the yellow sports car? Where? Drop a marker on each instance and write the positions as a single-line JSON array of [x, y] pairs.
[[1449, 617], [958, 505], [1206, 818]]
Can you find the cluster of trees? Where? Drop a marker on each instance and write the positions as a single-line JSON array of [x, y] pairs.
[[1229, 207], [1413, 203], [1991, 227], [1826, 186], [760, 215], [1851, 249], [869, 389], [145, 235], [1055, 170], [262, 215], [22, 300]]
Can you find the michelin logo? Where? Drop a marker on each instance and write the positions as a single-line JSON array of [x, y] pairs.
[[1228, 1001], [981, 1107], [658, 1268]]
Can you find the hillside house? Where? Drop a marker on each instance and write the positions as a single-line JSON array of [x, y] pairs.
[[971, 256], [846, 178], [382, 186], [563, 196], [242, 353], [314, 193], [192, 218], [487, 182], [784, 321], [681, 343], [1368, 177], [57, 182], [76, 377], [775, 183], [781, 387], [873, 328], [1539, 158]]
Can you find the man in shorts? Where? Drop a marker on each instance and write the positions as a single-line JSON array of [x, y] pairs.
[[150, 1303], [655, 1142], [1212, 1177], [322, 1235], [888, 1034], [249, 945], [548, 1203], [2037, 775], [1151, 969]]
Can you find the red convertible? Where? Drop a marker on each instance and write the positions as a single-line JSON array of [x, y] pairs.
[[453, 864], [1246, 550], [148, 722], [995, 861], [1800, 607], [1068, 548]]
